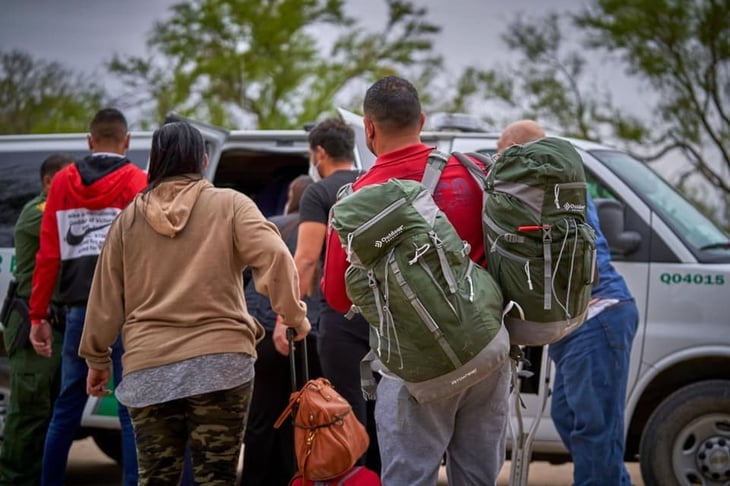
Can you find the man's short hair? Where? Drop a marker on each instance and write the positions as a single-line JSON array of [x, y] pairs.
[[54, 163], [335, 136], [393, 103], [108, 124]]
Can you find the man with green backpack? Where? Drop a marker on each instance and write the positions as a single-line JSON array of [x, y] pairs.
[[592, 361], [406, 246]]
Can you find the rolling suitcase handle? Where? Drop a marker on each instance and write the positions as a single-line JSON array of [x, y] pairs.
[[290, 333]]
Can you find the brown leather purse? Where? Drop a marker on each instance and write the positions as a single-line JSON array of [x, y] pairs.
[[328, 438]]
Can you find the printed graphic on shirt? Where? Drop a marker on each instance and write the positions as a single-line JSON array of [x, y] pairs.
[[82, 232]]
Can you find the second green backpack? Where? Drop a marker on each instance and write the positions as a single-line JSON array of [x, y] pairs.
[[540, 248]]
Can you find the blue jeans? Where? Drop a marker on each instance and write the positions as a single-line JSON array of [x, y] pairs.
[[587, 408], [69, 406]]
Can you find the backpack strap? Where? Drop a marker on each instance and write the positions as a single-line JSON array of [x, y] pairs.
[[485, 159], [477, 172], [434, 166]]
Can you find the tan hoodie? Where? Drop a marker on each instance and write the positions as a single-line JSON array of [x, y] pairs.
[[170, 277]]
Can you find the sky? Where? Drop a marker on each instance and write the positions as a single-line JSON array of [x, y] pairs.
[[83, 34]]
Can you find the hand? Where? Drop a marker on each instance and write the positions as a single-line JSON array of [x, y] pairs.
[[41, 337], [280, 341], [96, 382]]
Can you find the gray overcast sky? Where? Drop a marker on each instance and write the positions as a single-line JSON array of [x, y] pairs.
[[83, 34]]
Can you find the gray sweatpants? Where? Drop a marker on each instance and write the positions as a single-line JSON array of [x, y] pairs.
[[469, 427]]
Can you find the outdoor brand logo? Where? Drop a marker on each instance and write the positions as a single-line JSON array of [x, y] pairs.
[[574, 207], [392, 234], [463, 377]]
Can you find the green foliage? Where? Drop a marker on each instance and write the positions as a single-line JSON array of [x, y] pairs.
[[44, 97], [682, 48], [547, 81], [223, 60]]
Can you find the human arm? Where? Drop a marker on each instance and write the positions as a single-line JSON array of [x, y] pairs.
[[105, 308], [310, 241], [48, 258], [333, 274]]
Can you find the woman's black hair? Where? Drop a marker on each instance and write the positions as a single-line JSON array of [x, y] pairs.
[[177, 148]]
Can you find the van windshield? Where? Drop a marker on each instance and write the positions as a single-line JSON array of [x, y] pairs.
[[693, 227]]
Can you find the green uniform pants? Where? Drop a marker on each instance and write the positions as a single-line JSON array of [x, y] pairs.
[[34, 384]]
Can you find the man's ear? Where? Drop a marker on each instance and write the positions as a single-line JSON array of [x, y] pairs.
[[46, 183], [90, 141], [126, 142], [423, 121], [321, 153], [369, 127]]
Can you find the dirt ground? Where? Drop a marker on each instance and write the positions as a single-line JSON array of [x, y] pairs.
[[88, 466]]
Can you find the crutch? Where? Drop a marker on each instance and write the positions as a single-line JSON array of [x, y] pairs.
[[521, 441]]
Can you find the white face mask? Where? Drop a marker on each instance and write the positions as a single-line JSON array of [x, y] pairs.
[[314, 173]]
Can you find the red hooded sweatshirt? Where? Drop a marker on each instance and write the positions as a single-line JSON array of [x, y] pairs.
[[84, 199]]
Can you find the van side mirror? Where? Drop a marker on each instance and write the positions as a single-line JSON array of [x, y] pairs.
[[611, 218]]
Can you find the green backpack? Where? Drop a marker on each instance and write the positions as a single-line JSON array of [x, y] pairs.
[[540, 249], [435, 316]]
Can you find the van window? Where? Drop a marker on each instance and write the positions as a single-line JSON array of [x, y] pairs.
[[20, 182], [263, 176], [694, 228]]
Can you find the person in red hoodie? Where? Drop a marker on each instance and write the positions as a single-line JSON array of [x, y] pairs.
[[84, 199], [469, 428]]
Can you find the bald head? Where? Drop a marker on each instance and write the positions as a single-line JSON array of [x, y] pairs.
[[519, 132]]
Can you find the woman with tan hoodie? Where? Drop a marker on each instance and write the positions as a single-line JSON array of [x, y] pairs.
[[169, 278]]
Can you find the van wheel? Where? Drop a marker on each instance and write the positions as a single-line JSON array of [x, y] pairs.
[[4, 394], [687, 439], [110, 443]]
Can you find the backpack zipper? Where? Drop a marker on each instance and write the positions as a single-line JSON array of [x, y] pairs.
[[377, 218], [494, 246]]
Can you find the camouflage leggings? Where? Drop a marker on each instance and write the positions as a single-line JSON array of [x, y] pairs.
[[212, 424]]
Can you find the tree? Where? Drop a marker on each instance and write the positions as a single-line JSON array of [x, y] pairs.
[[223, 60], [548, 81], [682, 49], [44, 97]]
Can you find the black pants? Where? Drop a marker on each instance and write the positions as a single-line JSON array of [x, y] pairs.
[[269, 458], [342, 345]]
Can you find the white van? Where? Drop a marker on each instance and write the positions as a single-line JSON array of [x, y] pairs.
[[674, 259]]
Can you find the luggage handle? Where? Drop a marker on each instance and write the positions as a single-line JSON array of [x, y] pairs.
[[290, 333], [294, 398]]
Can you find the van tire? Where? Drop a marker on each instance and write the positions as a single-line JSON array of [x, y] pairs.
[[110, 443], [689, 422]]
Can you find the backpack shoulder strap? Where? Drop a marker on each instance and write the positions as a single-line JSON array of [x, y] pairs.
[[434, 166], [487, 160], [478, 173]]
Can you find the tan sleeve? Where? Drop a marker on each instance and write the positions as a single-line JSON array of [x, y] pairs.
[[105, 309], [260, 246]]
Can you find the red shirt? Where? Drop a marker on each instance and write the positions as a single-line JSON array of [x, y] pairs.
[[457, 194]]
